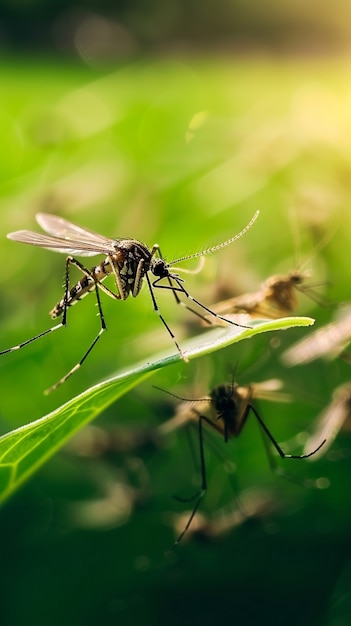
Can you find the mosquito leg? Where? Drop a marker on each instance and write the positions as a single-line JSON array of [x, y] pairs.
[[77, 366], [81, 289], [72, 295], [198, 496], [272, 461], [218, 450], [50, 330], [179, 301], [25, 343], [182, 289], [72, 261], [176, 297], [155, 249], [281, 453], [157, 310]]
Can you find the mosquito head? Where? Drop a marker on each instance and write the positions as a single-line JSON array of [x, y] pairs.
[[159, 268], [223, 400], [224, 406], [297, 277]]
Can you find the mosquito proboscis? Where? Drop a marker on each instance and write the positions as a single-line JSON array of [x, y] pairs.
[[229, 407], [129, 261]]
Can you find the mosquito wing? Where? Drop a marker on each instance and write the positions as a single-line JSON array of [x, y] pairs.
[[59, 227], [55, 243], [331, 420], [66, 237], [270, 390], [328, 341]]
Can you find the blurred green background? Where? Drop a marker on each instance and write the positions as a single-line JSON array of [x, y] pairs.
[[173, 123]]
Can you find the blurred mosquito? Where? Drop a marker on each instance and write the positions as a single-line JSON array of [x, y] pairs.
[[257, 506], [276, 298], [332, 419], [129, 262], [329, 341], [230, 406], [97, 442]]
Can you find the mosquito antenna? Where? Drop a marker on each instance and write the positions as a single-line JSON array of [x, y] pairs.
[[180, 397], [220, 245], [197, 269]]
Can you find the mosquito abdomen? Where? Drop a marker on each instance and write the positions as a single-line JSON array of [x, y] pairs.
[[82, 288]]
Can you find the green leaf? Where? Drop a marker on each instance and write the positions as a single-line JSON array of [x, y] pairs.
[[25, 449]]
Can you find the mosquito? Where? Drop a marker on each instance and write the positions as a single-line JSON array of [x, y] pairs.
[[129, 261], [256, 505], [229, 407], [275, 298]]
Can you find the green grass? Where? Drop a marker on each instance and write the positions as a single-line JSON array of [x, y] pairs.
[[181, 152]]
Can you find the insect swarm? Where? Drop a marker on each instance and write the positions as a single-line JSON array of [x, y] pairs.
[[229, 407], [129, 261]]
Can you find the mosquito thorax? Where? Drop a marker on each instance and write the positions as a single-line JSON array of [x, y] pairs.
[[224, 405], [133, 249]]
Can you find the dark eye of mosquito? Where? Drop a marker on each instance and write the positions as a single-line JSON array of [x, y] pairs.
[[159, 268], [296, 279]]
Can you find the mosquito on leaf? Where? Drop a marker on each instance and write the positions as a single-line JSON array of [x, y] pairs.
[[129, 261]]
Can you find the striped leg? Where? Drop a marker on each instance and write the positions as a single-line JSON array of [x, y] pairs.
[[200, 494], [61, 309], [75, 296], [157, 310]]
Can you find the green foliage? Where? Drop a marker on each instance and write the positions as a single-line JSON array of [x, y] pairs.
[[25, 449], [181, 152]]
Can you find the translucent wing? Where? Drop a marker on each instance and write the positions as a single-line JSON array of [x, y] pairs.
[[55, 243], [331, 420], [269, 390], [61, 228], [67, 237], [330, 340]]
